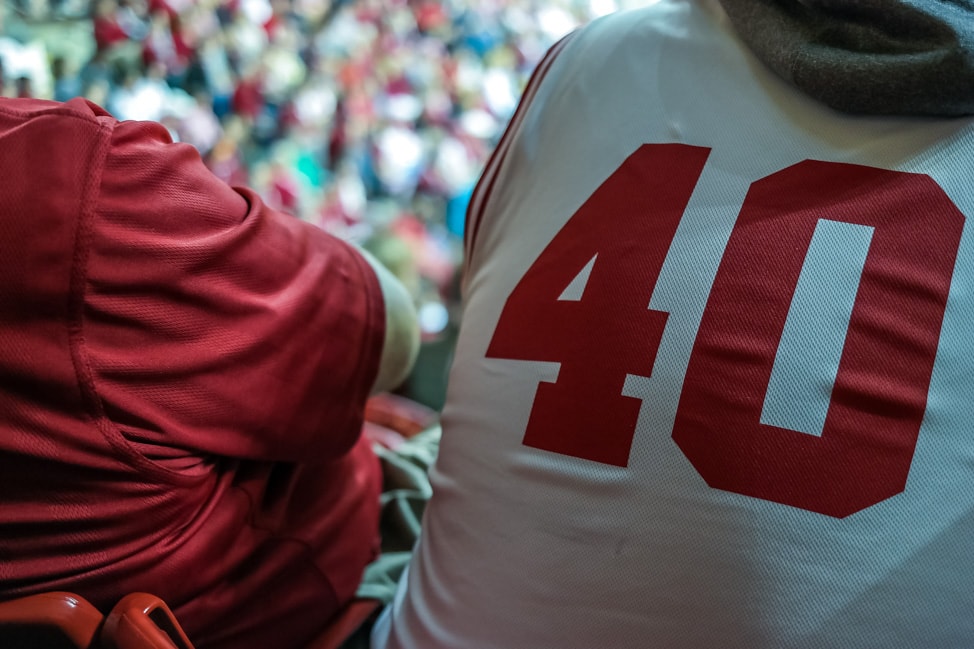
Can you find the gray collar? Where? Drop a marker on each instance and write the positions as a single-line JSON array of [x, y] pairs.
[[881, 57]]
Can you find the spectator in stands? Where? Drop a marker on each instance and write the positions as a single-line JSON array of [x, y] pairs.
[[713, 382], [182, 384]]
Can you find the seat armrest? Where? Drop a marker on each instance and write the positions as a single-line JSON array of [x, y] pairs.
[[50, 620], [143, 621]]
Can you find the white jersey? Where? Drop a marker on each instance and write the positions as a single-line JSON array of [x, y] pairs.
[[714, 385]]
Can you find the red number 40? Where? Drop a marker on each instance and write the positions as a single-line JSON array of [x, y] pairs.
[[621, 236]]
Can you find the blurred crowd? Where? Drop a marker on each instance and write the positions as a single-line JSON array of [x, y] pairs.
[[370, 118]]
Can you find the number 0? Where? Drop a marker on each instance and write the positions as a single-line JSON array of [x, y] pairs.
[[864, 453]]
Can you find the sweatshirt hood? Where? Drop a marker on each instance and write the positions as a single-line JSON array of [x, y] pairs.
[[879, 57]]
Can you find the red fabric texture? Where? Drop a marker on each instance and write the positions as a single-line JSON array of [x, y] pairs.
[[183, 374]]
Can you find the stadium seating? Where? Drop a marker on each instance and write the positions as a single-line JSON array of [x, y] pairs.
[[60, 620]]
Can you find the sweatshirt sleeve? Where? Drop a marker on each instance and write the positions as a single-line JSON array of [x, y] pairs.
[[216, 325]]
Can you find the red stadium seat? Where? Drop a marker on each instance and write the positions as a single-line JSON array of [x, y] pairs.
[[50, 621], [139, 621], [143, 621]]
